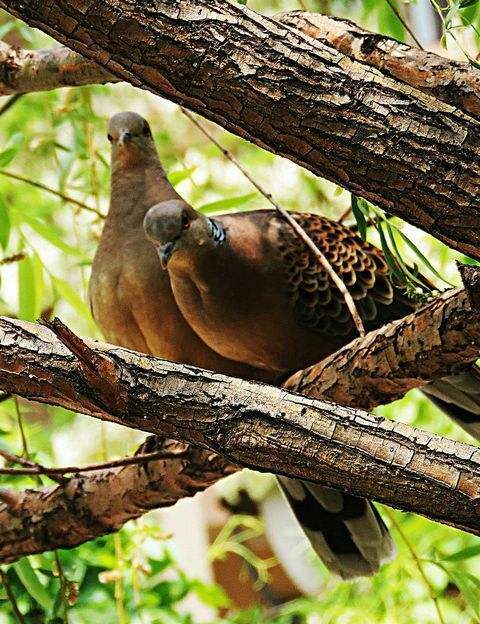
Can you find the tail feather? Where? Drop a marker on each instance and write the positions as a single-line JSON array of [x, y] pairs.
[[458, 396], [346, 532]]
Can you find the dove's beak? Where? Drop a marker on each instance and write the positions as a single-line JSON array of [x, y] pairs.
[[124, 137], [165, 253]]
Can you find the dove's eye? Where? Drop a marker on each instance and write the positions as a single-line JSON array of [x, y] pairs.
[[185, 221], [109, 137]]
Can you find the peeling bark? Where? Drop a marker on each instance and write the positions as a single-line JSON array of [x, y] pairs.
[[408, 152], [88, 506], [250, 424], [453, 82]]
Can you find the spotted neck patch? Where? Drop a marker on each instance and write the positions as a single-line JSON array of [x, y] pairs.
[[217, 232]]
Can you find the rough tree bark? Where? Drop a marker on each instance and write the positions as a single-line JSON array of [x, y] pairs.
[[453, 82], [94, 504], [441, 338], [412, 154], [385, 363], [250, 424]]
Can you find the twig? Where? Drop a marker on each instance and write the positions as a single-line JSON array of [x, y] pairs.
[[14, 258], [418, 563], [10, 102], [345, 214], [63, 586], [52, 191], [11, 597], [22, 461], [118, 592], [20, 428], [404, 23], [291, 221], [31, 468]]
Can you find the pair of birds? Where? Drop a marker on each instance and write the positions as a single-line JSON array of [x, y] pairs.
[[240, 294]]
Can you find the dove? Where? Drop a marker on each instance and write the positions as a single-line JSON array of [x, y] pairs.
[[252, 291]]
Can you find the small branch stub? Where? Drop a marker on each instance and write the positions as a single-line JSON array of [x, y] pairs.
[[471, 280]]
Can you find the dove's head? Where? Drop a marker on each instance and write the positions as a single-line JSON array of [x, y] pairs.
[[131, 139], [173, 226]]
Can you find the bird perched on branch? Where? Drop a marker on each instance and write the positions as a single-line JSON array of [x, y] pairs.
[[130, 295], [241, 294]]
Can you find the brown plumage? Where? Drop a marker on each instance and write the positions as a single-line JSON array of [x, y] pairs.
[[130, 294], [261, 297], [254, 293]]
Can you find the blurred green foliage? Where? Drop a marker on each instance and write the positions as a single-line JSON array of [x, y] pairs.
[[54, 179]]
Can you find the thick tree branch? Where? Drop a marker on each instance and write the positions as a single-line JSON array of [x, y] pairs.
[[250, 424], [376, 369], [406, 151], [453, 82], [85, 507]]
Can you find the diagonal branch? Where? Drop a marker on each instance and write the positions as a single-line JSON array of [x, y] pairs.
[[439, 339], [412, 154], [453, 82]]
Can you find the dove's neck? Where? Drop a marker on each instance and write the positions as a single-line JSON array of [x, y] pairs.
[[133, 191]]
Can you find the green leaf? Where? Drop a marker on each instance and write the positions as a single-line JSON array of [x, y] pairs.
[[4, 224], [211, 595], [9, 154], [465, 553], [359, 217], [392, 264], [422, 257], [72, 298], [227, 204], [178, 176], [30, 288], [29, 579], [48, 233], [463, 4], [468, 590]]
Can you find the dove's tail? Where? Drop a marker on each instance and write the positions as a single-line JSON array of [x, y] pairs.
[[346, 532], [459, 397]]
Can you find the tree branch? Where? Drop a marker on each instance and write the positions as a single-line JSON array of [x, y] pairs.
[[401, 148], [26, 71], [88, 506], [256, 425], [453, 82], [441, 338]]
